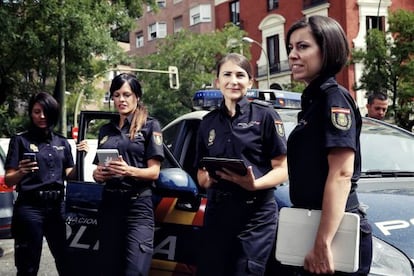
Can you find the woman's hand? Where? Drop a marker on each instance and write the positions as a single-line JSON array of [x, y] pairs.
[[320, 260], [27, 166], [247, 181], [204, 179], [82, 146]]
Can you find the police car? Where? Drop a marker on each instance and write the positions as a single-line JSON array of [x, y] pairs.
[[6, 201], [386, 189], [208, 99]]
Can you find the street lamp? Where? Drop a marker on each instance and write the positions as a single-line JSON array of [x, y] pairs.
[[250, 40]]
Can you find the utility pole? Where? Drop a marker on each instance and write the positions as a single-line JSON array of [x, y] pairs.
[[61, 97]]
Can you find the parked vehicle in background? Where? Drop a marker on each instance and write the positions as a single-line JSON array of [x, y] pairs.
[[7, 197], [208, 99]]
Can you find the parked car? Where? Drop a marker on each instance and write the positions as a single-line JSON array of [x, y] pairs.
[[386, 189], [6, 201]]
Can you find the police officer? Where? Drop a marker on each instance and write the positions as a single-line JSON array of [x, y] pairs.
[[38, 161], [126, 219], [241, 213], [324, 158]]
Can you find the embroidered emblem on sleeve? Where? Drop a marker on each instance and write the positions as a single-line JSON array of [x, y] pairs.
[[341, 118], [104, 139], [157, 138], [34, 148], [279, 128], [211, 136]]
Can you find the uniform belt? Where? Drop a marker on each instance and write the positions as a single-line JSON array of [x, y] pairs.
[[131, 193], [38, 196], [247, 197]]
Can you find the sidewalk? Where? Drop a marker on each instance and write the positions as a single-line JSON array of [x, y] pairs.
[[6, 247]]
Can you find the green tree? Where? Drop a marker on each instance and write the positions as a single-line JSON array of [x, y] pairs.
[[389, 64], [195, 56], [30, 47]]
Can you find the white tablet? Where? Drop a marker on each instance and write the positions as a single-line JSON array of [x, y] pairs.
[[107, 155], [297, 232]]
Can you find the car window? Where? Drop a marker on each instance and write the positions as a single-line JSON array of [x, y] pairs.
[[386, 148], [169, 136]]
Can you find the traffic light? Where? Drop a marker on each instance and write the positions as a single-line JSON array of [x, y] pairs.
[[173, 74]]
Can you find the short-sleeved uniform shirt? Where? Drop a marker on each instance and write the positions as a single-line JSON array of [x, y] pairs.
[[53, 156], [255, 134], [147, 143], [329, 119]]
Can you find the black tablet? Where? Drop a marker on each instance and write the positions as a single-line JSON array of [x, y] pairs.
[[213, 164]]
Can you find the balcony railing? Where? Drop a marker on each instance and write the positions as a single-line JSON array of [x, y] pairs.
[[282, 66], [312, 3]]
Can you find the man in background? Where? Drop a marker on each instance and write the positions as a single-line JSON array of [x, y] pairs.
[[377, 106]]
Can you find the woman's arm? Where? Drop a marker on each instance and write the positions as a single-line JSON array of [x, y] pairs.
[[337, 188], [277, 175]]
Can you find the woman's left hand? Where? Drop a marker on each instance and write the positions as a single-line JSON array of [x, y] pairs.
[[119, 167], [82, 146], [320, 261], [247, 181]]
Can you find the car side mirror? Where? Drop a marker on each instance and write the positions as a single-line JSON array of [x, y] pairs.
[[175, 182]]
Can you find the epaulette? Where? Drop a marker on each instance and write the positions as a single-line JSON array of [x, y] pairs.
[[22, 132], [262, 103]]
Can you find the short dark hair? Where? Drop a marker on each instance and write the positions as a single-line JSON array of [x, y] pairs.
[[238, 59], [330, 38], [377, 96], [50, 107], [122, 78]]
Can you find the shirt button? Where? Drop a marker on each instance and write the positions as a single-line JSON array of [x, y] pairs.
[[228, 140]]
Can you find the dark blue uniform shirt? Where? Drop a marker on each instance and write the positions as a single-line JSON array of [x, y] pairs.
[[147, 143], [53, 156], [255, 134], [329, 119]]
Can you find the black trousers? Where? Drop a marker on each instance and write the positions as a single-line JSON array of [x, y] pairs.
[[126, 227], [239, 235], [33, 220]]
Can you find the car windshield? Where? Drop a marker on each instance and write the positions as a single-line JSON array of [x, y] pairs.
[[386, 150]]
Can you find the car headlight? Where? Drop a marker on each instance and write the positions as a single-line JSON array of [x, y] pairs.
[[387, 260]]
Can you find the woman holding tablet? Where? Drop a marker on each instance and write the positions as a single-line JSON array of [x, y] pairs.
[[241, 214], [126, 218], [324, 157]]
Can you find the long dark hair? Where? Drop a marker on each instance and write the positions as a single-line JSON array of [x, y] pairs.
[[50, 108], [141, 113]]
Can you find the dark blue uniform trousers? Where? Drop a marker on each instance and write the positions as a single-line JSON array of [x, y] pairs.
[[32, 221], [238, 236], [126, 223]]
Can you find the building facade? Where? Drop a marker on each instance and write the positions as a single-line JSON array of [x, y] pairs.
[[172, 16]]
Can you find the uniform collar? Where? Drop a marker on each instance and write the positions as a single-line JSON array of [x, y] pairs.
[[241, 106], [316, 89]]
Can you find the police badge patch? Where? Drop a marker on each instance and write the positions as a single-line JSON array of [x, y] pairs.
[[341, 118], [157, 138], [211, 137], [279, 128]]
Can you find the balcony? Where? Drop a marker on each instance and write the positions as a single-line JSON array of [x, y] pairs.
[[282, 66], [312, 3]]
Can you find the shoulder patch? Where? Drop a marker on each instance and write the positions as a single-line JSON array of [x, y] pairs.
[[280, 128], [341, 118]]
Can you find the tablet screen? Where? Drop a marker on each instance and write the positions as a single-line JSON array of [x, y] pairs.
[[213, 164]]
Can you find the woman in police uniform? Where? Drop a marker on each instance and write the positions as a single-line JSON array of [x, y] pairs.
[[241, 213], [126, 218], [324, 158], [38, 161]]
